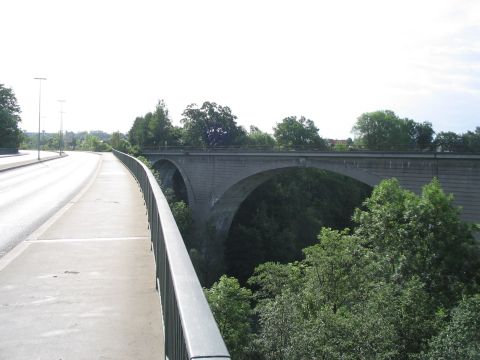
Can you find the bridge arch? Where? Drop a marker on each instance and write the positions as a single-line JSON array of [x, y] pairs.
[[172, 176], [226, 204]]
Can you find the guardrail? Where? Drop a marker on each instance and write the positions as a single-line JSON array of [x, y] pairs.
[[190, 329]]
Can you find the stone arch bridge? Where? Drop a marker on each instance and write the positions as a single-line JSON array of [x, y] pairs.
[[218, 181]]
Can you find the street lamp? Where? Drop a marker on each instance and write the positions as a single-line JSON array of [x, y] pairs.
[[60, 139], [39, 106]]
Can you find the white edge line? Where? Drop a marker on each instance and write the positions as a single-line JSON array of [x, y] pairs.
[[17, 250]]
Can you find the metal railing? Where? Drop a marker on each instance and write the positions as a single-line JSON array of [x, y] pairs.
[[190, 329]]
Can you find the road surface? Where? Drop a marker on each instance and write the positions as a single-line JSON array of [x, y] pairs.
[[30, 195]]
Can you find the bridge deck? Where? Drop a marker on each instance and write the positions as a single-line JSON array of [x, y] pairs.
[[82, 287]]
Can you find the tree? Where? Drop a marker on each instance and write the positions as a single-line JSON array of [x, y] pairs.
[[385, 131], [452, 142], [138, 132], [10, 134], [471, 140], [230, 305], [93, 143], [448, 141], [382, 290], [211, 125], [118, 142], [423, 135], [460, 339], [318, 308], [420, 236], [155, 129], [256, 137], [183, 217], [292, 132]]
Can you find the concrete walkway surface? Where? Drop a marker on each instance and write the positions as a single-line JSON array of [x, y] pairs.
[[83, 286], [25, 157]]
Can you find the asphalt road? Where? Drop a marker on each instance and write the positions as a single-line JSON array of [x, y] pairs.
[[30, 195]]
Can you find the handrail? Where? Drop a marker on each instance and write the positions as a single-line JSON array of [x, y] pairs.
[[190, 329]]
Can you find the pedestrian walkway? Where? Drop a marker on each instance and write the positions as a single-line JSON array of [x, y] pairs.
[[25, 157], [83, 286]]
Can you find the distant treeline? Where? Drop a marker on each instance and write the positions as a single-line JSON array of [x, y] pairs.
[[212, 125], [83, 140]]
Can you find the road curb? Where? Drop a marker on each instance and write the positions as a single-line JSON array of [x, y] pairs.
[[31, 162]]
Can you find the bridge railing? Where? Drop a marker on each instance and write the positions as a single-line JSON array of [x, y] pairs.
[[300, 148], [190, 329]]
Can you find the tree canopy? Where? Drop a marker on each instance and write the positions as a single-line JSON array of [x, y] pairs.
[[385, 131], [293, 132], [154, 129], [467, 142], [10, 134], [211, 125], [403, 283], [231, 308], [258, 138]]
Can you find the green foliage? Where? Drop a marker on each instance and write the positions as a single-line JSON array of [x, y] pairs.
[[385, 131], [119, 142], [10, 134], [338, 267], [154, 129], [448, 141], [384, 290], [460, 339], [258, 138], [467, 142], [211, 125], [93, 143], [471, 140], [422, 134], [319, 308], [231, 308], [293, 132], [420, 235], [183, 216]]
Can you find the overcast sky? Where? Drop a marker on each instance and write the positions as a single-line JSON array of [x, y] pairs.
[[327, 60]]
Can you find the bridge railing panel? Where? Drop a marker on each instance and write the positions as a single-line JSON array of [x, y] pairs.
[[190, 329]]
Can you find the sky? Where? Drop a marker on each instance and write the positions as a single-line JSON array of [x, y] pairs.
[[330, 61]]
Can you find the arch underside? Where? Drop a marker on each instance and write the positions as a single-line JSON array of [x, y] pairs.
[[170, 174], [224, 209]]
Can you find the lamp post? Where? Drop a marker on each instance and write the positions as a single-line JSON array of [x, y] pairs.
[[60, 139], [39, 107]]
